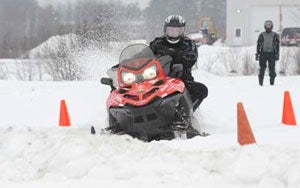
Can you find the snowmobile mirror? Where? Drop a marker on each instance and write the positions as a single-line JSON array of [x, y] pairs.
[[109, 82], [176, 71], [106, 81]]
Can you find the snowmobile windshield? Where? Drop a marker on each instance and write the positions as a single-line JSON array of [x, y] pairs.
[[138, 53]]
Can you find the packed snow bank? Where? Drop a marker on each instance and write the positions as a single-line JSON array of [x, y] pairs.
[[35, 152], [232, 61], [70, 158]]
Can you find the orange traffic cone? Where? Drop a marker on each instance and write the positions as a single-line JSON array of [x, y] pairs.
[[245, 135], [288, 116], [64, 119]]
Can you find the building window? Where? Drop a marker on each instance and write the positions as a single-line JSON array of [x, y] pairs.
[[237, 32]]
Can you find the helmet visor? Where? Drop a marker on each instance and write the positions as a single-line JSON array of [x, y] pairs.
[[174, 32]]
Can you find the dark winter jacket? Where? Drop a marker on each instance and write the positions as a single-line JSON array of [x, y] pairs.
[[184, 52], [268, 42]]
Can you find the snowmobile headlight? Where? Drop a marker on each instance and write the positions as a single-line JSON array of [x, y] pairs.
[[150, 73], [128, 77]]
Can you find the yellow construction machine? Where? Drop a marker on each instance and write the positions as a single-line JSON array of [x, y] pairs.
[[207, 27]]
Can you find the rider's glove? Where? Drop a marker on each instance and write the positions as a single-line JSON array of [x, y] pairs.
[[190, 57], [257, 56], [276, 57]]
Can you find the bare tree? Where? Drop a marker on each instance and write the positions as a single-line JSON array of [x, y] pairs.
[[298, 61], [61, 63], [249, 65], [3, 71], [25, 70], [25, 25]]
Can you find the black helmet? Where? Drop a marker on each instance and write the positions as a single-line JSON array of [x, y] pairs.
[[174, 28], [268, 25]]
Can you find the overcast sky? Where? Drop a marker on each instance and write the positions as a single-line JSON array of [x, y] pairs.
[[142, 3]]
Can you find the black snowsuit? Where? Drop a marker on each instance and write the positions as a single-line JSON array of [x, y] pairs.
[[267, 51], [184, 52]]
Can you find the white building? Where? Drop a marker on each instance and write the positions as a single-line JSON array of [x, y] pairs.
[[245, 18]]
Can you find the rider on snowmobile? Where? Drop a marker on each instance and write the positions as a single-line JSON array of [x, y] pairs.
[[183, 51]]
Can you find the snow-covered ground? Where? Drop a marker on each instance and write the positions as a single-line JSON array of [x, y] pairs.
[[36, 152]]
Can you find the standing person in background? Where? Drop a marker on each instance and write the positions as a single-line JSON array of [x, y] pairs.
[[267, 51]]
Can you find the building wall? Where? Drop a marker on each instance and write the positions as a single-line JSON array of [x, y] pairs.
[[245, 18]]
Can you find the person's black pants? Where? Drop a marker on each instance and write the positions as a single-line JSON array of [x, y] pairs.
[[267, 57], [198, 92]]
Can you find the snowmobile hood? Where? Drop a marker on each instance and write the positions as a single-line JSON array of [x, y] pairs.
[[141, 94]]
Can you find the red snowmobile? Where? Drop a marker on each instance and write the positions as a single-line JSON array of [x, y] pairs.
[[150, 101]]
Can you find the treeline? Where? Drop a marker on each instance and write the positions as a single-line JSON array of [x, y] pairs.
[[24, 24]]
